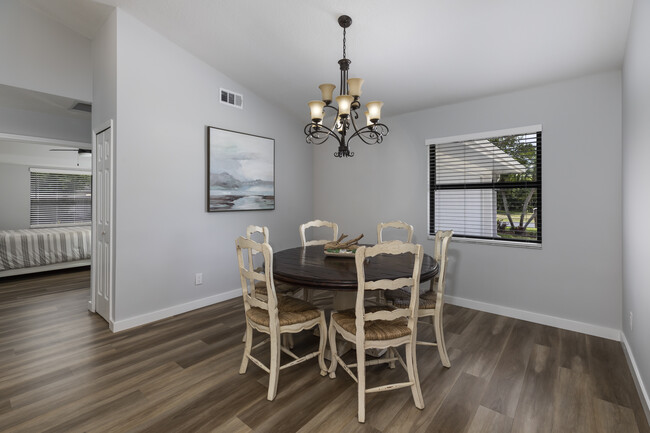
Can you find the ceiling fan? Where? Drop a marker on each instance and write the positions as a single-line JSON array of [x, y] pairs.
[[79, 151]]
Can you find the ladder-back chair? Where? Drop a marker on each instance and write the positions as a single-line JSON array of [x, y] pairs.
[[274, 316], [380, 327]]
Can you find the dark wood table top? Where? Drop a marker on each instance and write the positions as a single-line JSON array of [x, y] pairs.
[[309, 266]]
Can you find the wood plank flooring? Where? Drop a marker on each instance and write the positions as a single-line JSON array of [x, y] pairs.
[[62, 370]]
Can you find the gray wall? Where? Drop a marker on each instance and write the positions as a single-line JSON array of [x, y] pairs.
[[40, 54], [165, 99], [636, 181], [576, 276], [34, 124], [104, 56], [14, 196]]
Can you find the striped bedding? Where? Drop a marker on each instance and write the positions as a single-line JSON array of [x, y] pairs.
[[39, 247]]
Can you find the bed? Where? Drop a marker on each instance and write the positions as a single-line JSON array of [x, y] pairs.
[[38, 250]]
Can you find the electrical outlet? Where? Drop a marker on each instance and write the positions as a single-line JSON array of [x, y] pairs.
[[631, 321], [198, 279]]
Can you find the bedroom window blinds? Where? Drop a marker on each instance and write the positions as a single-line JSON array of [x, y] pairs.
[[488, 187], [59, 197]]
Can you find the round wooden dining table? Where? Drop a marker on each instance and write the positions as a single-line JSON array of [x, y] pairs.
[[309, 267]]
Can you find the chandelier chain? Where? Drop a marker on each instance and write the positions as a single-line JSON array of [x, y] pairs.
[[344, 43]]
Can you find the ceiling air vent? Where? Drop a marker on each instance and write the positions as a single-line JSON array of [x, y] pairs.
[[231, 98], [82, 106]]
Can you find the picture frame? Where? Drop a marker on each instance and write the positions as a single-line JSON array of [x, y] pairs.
[[241, 171]]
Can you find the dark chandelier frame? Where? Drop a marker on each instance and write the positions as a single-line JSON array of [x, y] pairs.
[[317, 133]]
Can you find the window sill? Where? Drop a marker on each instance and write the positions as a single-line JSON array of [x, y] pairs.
[[494, 243]]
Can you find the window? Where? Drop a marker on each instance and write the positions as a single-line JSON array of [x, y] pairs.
[[487, 186], [59, 197]]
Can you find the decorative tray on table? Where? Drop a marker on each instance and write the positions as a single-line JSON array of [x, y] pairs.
[[339, 252], [339, 248]]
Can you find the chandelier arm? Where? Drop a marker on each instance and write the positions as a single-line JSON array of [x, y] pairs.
[[354, 124], [312, 132], [372, 134]]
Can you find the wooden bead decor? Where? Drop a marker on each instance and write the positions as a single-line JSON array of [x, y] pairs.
[[338, 244]]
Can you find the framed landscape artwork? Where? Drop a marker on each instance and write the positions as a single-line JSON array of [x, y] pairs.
[[241, 171]]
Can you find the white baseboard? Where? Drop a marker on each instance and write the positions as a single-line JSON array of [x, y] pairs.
[[132, 322], [636, 374], [558, 322]]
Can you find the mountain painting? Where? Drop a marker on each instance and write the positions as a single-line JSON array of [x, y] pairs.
[[241, 171]]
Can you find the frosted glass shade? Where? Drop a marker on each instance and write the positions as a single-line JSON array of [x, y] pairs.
[[344, 102], [354, 86], [368, 121], [316, 109], [326, 91], [374, 110]]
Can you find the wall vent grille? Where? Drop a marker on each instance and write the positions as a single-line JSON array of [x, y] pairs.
[[231, 98], [82, 106]]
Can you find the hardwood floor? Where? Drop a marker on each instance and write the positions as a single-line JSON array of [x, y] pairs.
[[62, 370]]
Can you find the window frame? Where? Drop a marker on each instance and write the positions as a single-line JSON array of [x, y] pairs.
[[37, 170], [532, 129]]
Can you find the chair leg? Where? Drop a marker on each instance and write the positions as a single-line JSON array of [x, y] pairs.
[[287, 340], [412, 369], [361, 386], [440, 339], [274, 368], [391, 353], [248, 339], [334, 353], [322, 344]]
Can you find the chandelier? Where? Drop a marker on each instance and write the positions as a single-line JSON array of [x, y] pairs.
[[344, 119]]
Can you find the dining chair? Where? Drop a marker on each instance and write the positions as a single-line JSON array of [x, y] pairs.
[[396, 225], [259, 287], [308, 293], [318, 223], [400, 225], [274, 316], [431, 302], [380, 327]]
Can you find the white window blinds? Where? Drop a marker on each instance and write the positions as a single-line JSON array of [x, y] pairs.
[[488, 188], [59, 197]]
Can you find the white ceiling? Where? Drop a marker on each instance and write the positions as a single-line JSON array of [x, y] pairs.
[[413, 54], [83, 16]]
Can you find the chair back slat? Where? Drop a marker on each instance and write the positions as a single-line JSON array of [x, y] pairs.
[[318, 223], [388, 284], [391, 247], [401, 225], [255, 302], [387, 315], [252, 275]]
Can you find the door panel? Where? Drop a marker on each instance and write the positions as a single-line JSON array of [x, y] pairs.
[[103, 263]]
